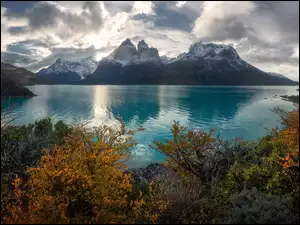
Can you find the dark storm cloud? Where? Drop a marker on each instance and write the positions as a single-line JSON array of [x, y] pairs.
[[52, 15], [17, 8], [167, 15], [44, 14]]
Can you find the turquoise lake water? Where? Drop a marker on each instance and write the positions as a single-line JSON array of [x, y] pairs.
[[232, 111]]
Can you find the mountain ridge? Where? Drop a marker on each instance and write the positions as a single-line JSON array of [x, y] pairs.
[[203, 64]]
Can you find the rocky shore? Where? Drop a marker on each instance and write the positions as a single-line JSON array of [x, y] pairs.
[[291, 98]]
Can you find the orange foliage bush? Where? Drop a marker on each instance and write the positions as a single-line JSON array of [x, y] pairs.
[[186, 152], [289, 137], [82, 182]]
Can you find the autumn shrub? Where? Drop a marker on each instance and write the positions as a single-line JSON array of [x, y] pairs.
[[226, 167], [289, 137], [198, 153], [82, 177], [202, 161], [83, 181]]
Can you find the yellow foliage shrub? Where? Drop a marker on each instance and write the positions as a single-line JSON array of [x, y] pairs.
[[82, 182]]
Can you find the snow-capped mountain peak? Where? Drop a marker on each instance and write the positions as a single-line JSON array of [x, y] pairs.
[[127, 53], [142, 45], [82, 67], [127, 42], [124, 53], [198, 51], [146, 53]]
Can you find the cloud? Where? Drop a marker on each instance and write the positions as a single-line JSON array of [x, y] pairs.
[[142, 7], [179, 4], [266, 34], [50, 16], [222, 20], [114, 7], [168, 15], [295, 52], [15, 58]]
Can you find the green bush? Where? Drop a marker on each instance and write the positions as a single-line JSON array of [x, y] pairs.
[[21, 146], [255, 207], [260, 168]]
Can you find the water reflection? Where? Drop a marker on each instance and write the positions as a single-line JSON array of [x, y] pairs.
[[231, 110], [135, 103]]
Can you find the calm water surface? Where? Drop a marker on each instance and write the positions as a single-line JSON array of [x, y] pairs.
[[232, 111]]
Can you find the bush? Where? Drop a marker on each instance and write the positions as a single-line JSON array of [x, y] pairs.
[[21, 146], [82, 181], [82, 176], [272, 166], [255, 207]]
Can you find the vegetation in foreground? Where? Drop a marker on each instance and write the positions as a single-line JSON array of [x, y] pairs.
[[55, 173]]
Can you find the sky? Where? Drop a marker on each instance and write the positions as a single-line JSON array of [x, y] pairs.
[[35, 33]]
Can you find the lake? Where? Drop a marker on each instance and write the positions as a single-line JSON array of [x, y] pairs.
[[233, 111]]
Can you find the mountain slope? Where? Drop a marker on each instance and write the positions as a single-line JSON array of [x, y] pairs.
[[65, 71], [203, 64], [19, 75], [13, 80]]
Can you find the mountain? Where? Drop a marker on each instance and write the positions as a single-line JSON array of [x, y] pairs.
[[65, 71], [127, 65], [203, 64], [19, 75], [213, 64], [127, 54], [278, 75], [13, 80]]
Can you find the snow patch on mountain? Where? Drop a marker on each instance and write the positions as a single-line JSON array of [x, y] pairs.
[[210, 51], [82, 67]]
